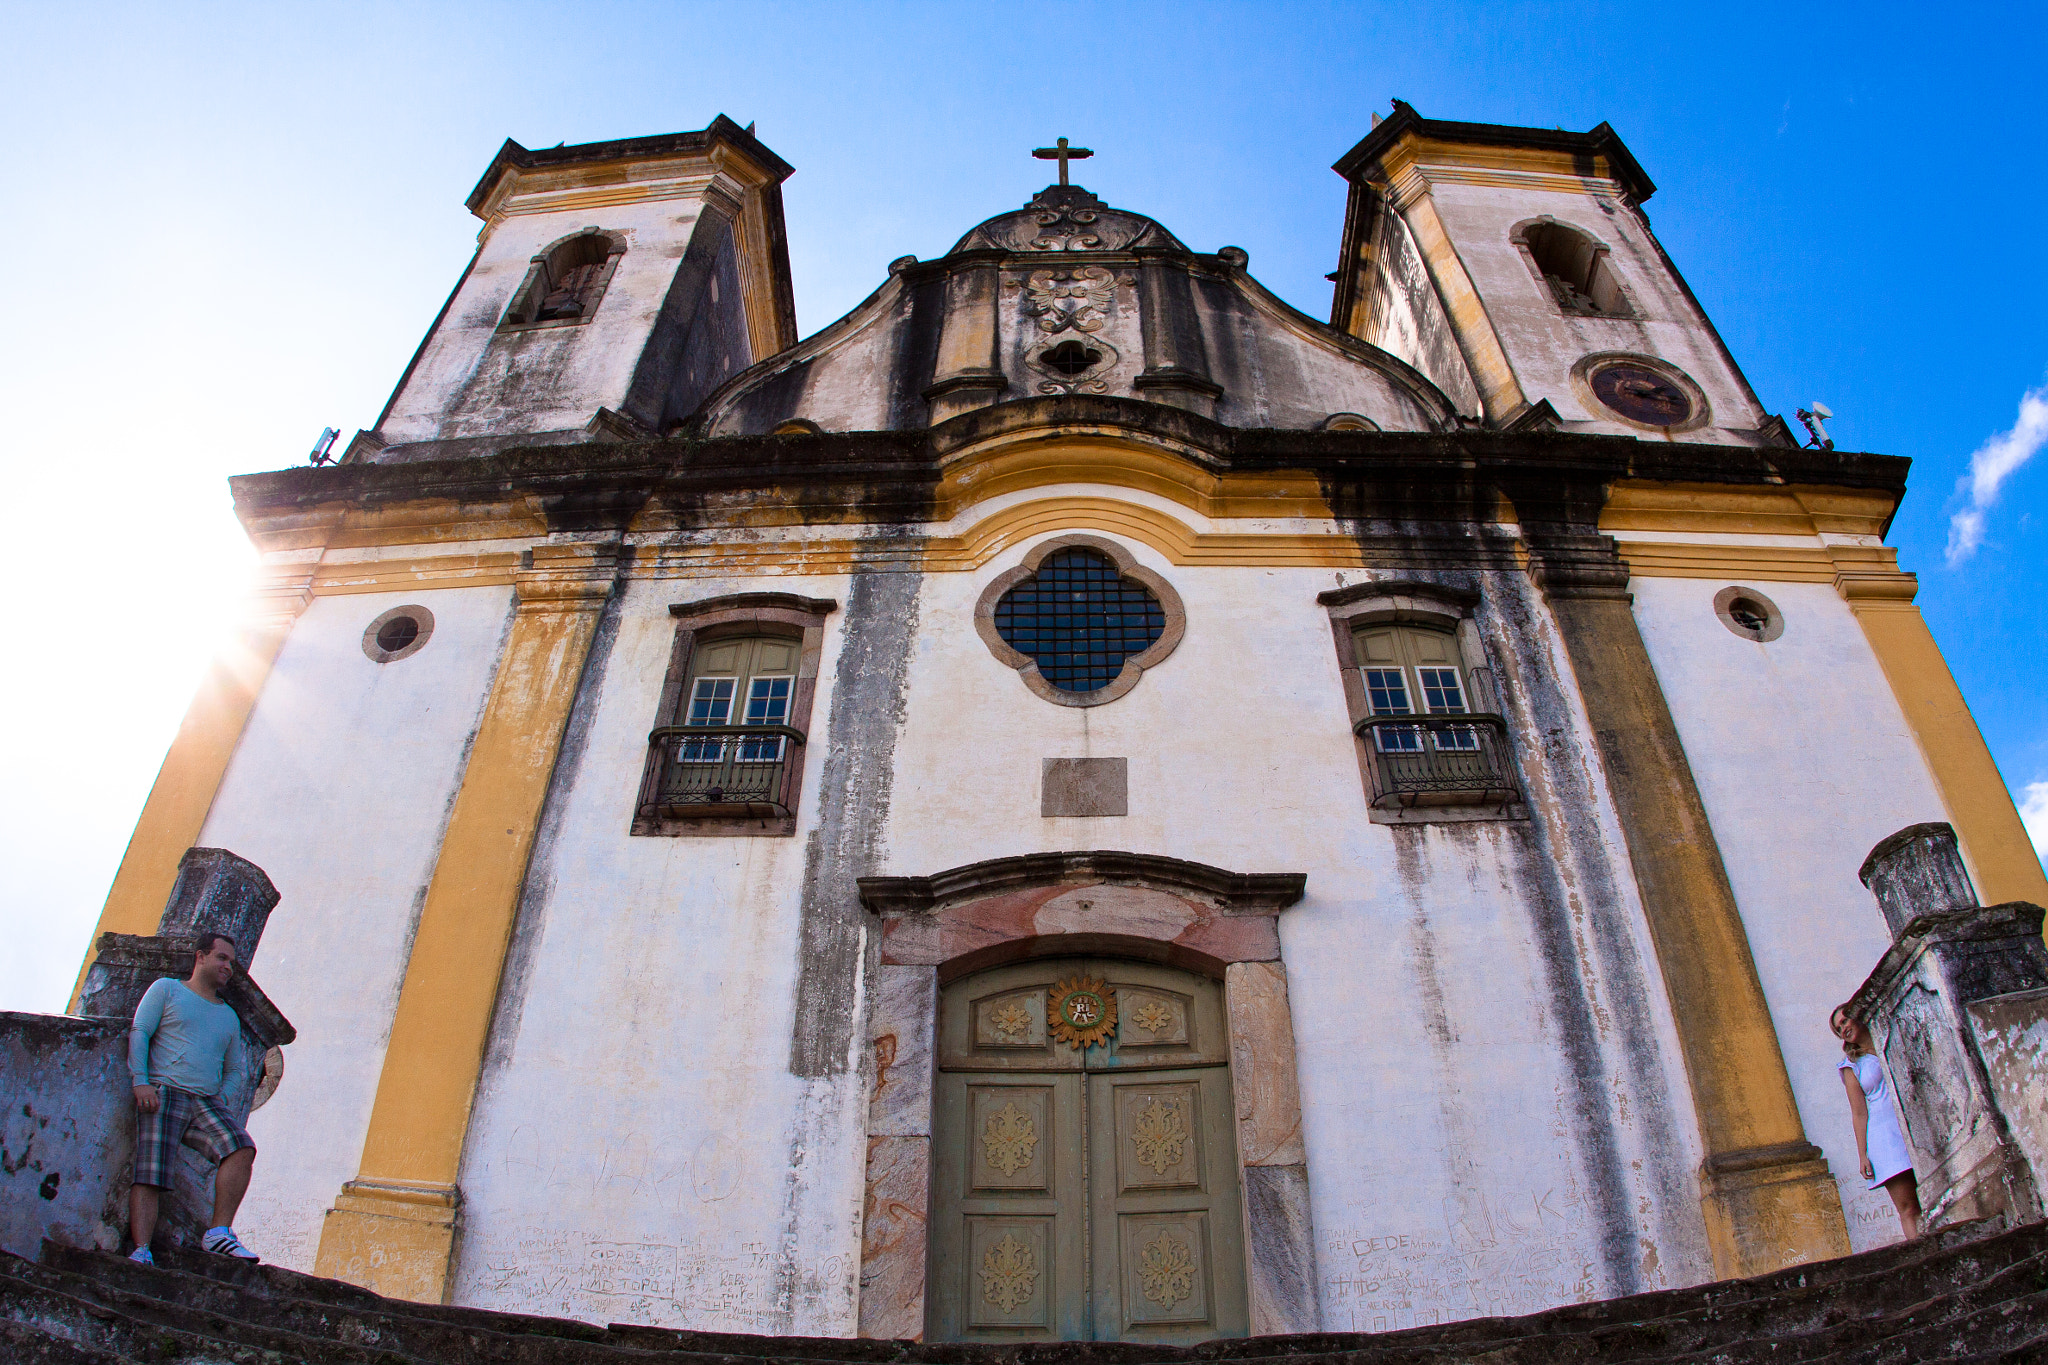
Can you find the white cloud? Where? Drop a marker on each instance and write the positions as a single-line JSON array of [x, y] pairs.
[[1992, 464], [2034, 815]]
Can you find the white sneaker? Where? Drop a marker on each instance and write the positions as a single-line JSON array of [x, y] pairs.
[[141, 1256], [223, 1242]]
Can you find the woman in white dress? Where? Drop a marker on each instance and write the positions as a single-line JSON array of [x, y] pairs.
[[1880, 1146]]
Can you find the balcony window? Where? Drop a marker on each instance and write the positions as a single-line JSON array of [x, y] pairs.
[[725, 756], [1431, 745]]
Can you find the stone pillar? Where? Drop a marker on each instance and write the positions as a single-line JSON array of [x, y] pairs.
[[1958, 1009], [392, 1229], [1918, 871], [1176, 362], [1765, 1191], [1280, 1250], [968, 373]]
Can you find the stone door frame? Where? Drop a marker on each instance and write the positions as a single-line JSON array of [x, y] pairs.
[[934, 930]]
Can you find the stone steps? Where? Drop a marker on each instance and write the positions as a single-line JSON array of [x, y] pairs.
[[1966, 1294]]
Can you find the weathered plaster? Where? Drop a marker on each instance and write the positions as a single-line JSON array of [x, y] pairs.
[[1796, 795]]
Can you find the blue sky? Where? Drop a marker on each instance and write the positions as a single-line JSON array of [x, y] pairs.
[[228, 226]]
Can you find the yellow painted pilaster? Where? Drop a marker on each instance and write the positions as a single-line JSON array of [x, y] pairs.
[[393, 1227], [198, 759], [1994, 842], [1499, 390]]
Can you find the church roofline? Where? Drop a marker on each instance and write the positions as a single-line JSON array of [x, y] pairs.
[[894, 476], [721, 129], [1600, 141]]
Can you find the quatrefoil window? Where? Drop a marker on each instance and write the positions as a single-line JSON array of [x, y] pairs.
[[1080, 620]]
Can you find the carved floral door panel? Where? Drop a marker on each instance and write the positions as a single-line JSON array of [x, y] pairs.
[[1084, 1191], [1164, 1207], [1008, 1261]]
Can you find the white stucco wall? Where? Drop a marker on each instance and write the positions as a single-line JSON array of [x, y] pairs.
[[1494, 1113], [339, 791], [631, 1153], [1804, 761], [1445, 1146]]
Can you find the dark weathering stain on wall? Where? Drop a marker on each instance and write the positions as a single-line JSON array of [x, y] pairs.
[[853, 806]]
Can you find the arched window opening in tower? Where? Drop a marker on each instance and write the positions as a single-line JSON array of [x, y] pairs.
[[568, 282], [1078, 620], [1577, 271]]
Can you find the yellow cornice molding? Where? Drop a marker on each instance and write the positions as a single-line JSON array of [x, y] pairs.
[[1642, 505], [994, 469], [1413, 162]]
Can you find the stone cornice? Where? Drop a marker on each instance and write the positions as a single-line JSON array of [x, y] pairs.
[[1556, 481], [1236, 893]]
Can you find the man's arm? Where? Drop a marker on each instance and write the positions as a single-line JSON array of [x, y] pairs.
[[148, 1015]]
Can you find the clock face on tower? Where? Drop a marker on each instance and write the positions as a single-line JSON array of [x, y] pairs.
[[1641, 394]]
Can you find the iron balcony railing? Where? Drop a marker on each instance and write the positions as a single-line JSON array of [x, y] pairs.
[[704, 770], [1438, 760]]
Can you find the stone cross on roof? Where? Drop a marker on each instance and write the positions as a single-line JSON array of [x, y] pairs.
[[1062, 154]]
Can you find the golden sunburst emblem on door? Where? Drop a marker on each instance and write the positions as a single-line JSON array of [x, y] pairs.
[[1081, 1011]]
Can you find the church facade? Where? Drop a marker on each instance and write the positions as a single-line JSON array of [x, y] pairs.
[[1077, 801]]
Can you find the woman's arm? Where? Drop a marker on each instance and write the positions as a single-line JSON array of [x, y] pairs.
[[1859, 1111]]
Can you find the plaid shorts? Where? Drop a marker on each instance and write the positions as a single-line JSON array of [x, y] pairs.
[[195, 1120]]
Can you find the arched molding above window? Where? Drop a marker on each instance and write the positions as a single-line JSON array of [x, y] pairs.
[[1572, 267], [571, 271], [1134, 666], [1429, 604]]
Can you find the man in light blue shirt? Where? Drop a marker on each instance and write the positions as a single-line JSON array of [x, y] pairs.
[[177, 1060]]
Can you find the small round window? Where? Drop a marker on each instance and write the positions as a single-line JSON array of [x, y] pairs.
[[1078, 620], [398, 634], [1749, 614]]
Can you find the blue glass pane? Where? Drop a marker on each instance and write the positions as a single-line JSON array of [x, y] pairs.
[[1078, 619]]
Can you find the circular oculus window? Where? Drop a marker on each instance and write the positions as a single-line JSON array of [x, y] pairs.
[[1642, 395], [1641, 391], [398, 634], [1750, 614]]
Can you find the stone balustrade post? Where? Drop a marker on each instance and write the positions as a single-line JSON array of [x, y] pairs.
[[1958, 1010]]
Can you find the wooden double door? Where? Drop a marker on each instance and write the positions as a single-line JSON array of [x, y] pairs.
[[1084, 1163]]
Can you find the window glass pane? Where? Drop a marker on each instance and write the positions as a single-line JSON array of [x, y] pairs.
[[711, 702], [768, 701], [1441, 694], [1078, 619], [1387, 690], [700, 750]]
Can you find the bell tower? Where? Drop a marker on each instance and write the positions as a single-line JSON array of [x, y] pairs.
[[1516, 268], [614, 285]]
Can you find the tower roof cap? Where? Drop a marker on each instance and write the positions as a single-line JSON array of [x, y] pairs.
[[512, 156], [1602, 141]]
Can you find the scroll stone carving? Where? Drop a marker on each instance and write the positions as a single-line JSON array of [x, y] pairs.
[[1082, 299]]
